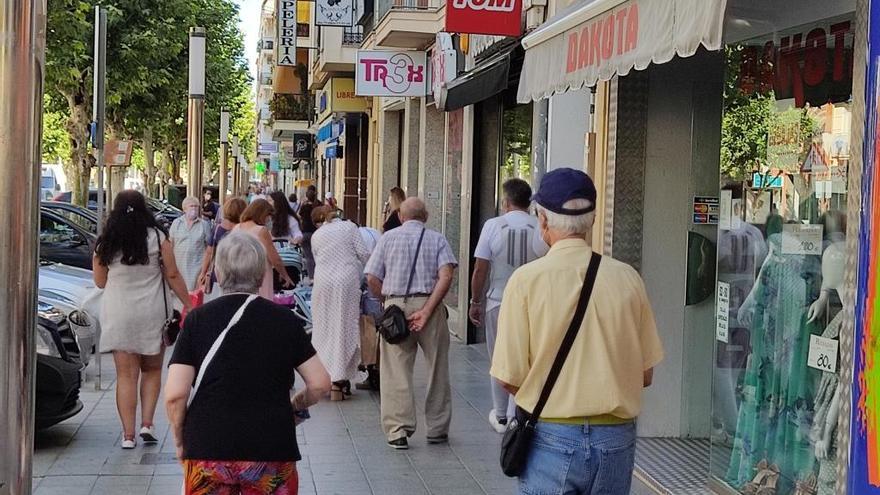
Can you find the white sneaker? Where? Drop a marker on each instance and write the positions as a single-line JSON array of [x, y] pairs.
[[128, 444], [497, 425], [148, 434]]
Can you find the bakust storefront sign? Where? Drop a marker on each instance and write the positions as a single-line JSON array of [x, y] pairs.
[[391, 73], [501, 17], [286, 43]]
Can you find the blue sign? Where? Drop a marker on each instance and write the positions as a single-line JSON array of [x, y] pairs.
[[761, 181], [331, 130], [322, 102], [334, 151]]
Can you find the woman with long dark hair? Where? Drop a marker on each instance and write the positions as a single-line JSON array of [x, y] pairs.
[[135, 306], [285, 223]]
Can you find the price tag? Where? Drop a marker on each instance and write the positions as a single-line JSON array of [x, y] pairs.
[[823, 354], [802, 239], [722, 312]]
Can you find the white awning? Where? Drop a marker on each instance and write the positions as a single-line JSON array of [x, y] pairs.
[[596, 40]]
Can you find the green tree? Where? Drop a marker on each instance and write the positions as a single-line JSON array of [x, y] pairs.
[[55, 143], [147, 59]]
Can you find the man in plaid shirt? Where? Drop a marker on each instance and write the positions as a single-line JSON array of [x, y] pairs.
[[388, 272]]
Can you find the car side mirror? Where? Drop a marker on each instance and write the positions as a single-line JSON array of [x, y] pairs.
[[57, 187]]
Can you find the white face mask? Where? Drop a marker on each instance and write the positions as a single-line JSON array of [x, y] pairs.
[[192, 213]]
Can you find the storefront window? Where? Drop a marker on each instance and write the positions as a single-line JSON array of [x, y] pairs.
[[516, 146], [785, 155]]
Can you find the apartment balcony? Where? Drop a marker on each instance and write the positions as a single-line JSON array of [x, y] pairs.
[[337, 53], [290, 113], [412, 24], [266, 45]]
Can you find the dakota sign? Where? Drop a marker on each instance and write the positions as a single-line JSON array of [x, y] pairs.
[[501, 17], [391, 73]]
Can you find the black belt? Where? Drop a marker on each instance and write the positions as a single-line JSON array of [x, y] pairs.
[[411, 295]]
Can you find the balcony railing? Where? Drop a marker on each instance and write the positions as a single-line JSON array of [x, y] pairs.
[[291, 107], [353, 36], [384, 6]]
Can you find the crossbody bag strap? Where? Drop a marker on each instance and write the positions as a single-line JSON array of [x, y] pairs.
[[162, 273], [216, 346], [568, 340], [412, 270]]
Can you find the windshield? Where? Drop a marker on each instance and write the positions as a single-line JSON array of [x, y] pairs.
[[47, 182]]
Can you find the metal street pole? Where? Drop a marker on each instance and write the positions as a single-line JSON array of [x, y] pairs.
[[236, 168], [195, 126], [98, 111], [23, 31], [224, 152]]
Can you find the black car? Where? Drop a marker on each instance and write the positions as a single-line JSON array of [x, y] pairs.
[[58, 370], [164, 212], [64, 241], [85, 218]]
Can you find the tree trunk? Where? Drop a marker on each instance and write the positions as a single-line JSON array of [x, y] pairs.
[[79, 167], [150, 166]]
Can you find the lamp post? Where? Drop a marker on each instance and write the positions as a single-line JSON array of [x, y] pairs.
[[224, 152], [23, 31], [195, 126], [236, 168]]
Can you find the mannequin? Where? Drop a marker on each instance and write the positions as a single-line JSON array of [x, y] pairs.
[[777, 390], [827, 407]]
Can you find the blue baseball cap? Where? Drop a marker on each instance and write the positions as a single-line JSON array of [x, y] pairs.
[[562, 185]]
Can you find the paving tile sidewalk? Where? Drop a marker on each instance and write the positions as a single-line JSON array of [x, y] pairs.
[[343, 447]]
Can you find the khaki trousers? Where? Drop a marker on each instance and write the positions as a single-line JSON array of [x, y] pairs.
[[398, 408]]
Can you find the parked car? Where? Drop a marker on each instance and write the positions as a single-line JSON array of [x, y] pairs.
[[165, 213], [64, 241], [85, 218], [73, 289], [58, 370], [48, 183], [84, 326]]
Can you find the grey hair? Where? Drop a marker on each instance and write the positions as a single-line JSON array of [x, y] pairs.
[[190, 200], [569, 224], [240, 263]]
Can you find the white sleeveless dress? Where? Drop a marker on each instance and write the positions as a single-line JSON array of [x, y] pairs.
[[132, 308]]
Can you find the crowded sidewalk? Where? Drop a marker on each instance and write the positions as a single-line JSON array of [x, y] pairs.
[[343, 447]]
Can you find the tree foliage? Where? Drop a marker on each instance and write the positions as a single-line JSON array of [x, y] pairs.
[[147, 60]]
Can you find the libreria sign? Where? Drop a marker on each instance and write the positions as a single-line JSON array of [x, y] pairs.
[[286, 44]]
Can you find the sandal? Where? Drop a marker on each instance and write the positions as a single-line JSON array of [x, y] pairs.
[[810, 486], [768, 487], [751, 488], [336, 392]]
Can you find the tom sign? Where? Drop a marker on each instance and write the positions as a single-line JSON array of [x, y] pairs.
[[391, 73], [498, 17]]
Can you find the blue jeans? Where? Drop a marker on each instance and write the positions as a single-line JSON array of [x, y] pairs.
[[580, 459]]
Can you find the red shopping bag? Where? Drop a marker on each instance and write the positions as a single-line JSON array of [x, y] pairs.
[[196, 298]]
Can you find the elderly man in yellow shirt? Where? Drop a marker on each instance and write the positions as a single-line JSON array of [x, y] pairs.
[[586, 434]]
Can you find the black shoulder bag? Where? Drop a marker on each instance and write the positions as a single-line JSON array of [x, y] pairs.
[[518, 438], [392, 326], [171, 327]]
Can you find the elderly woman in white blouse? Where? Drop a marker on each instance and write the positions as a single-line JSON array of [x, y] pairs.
[[190, 235]]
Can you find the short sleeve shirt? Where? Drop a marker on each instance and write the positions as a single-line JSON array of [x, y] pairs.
[[242, 410], [394, 254], [617, 342]]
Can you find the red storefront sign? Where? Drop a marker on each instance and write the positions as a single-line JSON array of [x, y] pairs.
[[498, 17], [814, 66], [601, 39]]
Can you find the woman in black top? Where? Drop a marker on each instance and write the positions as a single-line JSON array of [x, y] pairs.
[[238, 432], [392, 220]]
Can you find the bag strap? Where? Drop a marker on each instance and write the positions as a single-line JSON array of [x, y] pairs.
[[568, 340], [162, 273], [412, 270], [216, 346]]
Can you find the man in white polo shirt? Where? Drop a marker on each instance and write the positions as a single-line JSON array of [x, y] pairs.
[[506, 243]]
